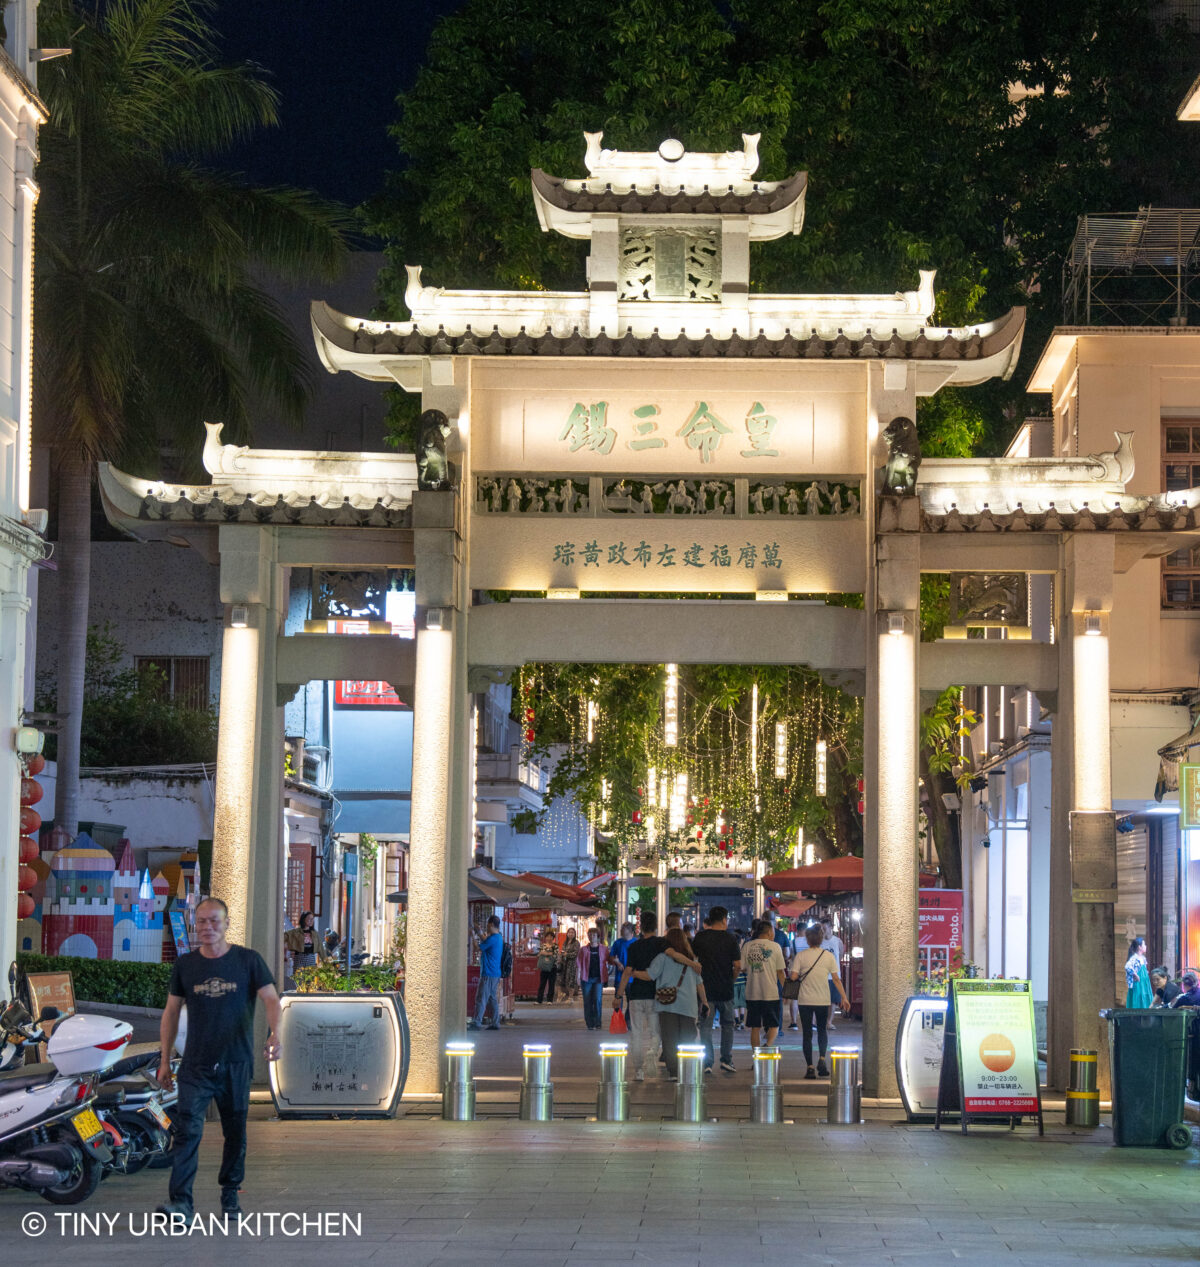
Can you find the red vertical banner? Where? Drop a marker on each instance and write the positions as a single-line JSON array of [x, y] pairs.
[[940, 930]]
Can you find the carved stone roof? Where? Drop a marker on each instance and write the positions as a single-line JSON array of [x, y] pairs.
[[1137, 514], [337, 333], [745, 198]]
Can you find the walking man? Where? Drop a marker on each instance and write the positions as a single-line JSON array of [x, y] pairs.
[[720, 960], [491, 952], [220, 983], [764, 981], [833, 943], [643, 1020]]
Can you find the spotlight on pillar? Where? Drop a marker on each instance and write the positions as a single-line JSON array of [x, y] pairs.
[[1091, 625], [895, 623], [435, 618], [239, 617], [28, 740]]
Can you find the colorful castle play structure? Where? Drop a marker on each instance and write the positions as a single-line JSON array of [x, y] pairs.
[[88, 904]]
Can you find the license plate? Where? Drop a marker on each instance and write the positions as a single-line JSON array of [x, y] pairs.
[[87, 1125], [156, 1112]]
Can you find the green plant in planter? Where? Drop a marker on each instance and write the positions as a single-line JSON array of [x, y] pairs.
[[400, 941], [330, 976]]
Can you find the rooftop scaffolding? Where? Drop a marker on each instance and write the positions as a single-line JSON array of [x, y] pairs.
[[1134, 269]]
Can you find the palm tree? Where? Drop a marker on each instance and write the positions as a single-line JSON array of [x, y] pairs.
[[147, 315]]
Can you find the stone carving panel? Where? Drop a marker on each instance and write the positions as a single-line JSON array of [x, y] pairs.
[[795, 497], [989, 599], [669, 264]]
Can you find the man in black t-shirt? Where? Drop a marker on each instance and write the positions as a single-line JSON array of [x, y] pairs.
[[643, 1020], [719, 955], [220, 983]]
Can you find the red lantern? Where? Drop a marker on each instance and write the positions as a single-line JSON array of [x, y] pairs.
[[26, 878], [31, 820], [35, 765], [637, 815], [27, 848], [529, 735], [699, 835], [529, 714], [24, 906], [31, 792]]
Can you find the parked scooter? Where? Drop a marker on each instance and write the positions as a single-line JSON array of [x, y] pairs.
[[51, 1140], [134, 1103]]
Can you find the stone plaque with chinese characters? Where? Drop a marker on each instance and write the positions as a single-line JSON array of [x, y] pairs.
[[678, 421], [1093, 856]]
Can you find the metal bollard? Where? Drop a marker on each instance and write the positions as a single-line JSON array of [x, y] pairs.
[[612, 1093], [766, 1095], [845, 1093], [458, 1091], [537, 1091], [689, 1090], [1083, 1099]]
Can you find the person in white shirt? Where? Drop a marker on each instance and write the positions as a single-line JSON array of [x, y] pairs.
[[813, 967], [764, 964], [833, 943]]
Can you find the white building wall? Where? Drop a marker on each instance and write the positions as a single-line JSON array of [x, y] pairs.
[[20, 115]]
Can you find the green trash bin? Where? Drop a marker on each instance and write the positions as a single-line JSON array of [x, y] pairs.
[[1148, 1049]]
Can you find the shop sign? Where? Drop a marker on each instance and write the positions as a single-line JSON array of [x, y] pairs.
[[940, 933], [1189, 795], [341, 1053], [996, 1048], [366, 695]]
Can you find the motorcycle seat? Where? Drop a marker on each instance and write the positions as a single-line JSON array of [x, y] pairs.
[[27, 1076], [131, 1064]]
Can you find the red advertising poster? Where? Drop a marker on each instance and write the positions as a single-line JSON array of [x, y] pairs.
[[366, 695], [940, 929]]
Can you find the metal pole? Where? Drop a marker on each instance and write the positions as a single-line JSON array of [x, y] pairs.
[[537, 1091], [766, 1095], [458, 1090], [1083, 1099], [612, 1093], [689, 1090], [845, 1091]]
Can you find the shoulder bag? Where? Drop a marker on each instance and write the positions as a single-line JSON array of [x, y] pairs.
[[668, 993], [791, 986]]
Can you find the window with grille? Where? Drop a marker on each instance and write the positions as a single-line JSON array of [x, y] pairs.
[[181, 678], [1181, 469], [294, 891]]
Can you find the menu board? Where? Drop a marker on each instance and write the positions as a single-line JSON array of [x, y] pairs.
[[996, 1049]]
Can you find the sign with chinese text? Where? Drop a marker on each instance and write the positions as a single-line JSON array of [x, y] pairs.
[[345, 1054], [683, 554], [940, 933], [1189, 795], [997, 1048], [1093, 856], [355, 694], [579, 422]]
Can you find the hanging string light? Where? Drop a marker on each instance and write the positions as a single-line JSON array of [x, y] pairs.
[[593, 711], [679, 796], [671, 708], [821, 777], [652, 787], [781, 750]]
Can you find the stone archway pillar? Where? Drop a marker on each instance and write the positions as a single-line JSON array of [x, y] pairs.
[[890, 827], [247, 865], [441, 833], [1082, 937]]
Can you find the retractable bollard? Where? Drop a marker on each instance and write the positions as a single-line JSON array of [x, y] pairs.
[[845, 1093], [612, 1093], [537, 1091], [689, 1090], [1083, 1098], [766, 1095], [458, 1091]]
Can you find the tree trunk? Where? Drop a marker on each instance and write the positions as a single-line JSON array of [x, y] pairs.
[[74, 584], [943, 823]]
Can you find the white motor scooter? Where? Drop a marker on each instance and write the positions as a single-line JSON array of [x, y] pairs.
[[51, 1141]]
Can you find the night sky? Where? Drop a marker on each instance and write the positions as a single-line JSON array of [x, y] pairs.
[[338, 65]]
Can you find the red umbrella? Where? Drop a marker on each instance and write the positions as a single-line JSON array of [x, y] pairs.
[[792, 909], [834, 875]]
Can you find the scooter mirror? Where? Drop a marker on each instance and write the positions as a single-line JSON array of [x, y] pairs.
[[48, 1013], [12, 974]]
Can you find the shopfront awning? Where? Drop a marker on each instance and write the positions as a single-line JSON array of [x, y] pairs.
[[1182, 750]]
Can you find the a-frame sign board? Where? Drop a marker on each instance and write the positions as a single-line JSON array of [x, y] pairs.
[[989, 1057]]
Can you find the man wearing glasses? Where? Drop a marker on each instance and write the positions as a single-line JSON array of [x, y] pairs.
[[220, 983]]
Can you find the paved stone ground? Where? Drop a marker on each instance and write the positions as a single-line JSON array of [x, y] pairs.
[[582, 1194], [573, 1193]]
